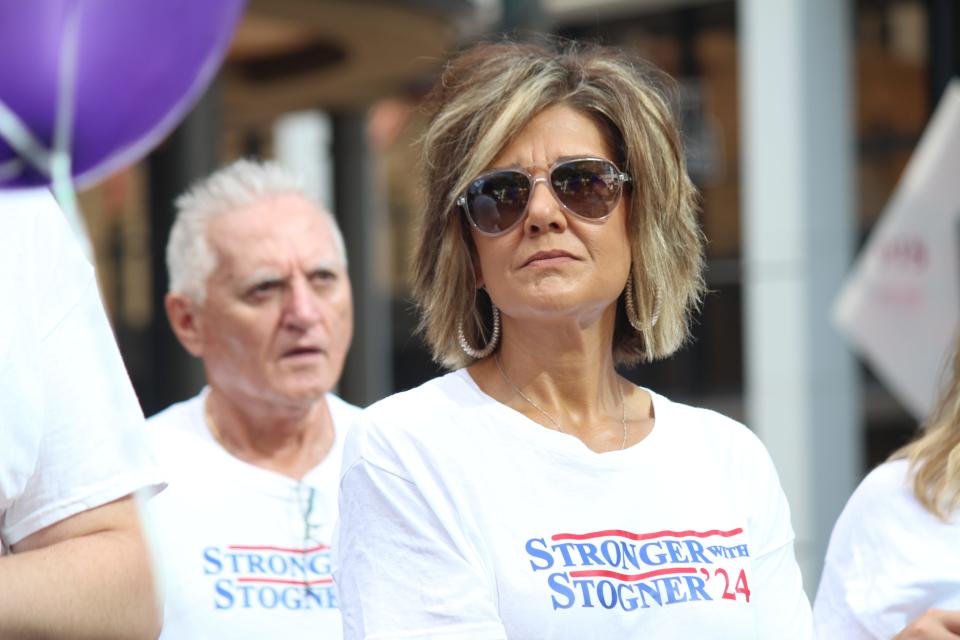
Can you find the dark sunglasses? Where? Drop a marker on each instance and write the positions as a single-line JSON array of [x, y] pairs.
[[497, 201]]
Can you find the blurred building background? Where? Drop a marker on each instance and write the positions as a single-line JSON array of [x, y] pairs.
[[799, 117]]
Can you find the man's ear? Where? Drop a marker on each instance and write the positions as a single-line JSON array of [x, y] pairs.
[[185, 321]]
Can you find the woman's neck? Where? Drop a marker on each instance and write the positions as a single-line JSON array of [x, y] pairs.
[[564, 378]]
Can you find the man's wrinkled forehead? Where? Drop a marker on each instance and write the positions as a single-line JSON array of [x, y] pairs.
[[269, 259], [260, 241]]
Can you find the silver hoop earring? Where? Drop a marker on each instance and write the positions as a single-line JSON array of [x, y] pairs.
[[480, 354], [631, 306]]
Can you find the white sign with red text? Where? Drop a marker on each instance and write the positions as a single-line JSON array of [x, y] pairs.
[[901, 302]]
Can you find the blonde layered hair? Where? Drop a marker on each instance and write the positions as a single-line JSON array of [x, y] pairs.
[[483, 99], [935, 455]]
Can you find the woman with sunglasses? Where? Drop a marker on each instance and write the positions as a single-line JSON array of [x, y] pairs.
[[534, 492]]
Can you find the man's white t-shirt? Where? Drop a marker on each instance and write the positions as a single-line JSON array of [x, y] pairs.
[[71, 431], [244, 551], [889, 560], [461, 518]]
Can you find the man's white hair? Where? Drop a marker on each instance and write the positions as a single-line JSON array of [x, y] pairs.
[[190, 260]]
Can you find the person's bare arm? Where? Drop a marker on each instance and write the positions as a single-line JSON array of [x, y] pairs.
[[935, 624], [88, 576]]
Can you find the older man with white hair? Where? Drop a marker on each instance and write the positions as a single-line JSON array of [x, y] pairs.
[[259, 292]]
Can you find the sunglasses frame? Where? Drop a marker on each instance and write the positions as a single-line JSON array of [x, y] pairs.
[[621, 177]]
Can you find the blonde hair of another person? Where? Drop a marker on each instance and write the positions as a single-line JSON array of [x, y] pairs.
[[935, 455], [190, 260], [484, 98]]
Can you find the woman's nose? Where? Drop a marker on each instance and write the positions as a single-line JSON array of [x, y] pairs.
[[546, 212]]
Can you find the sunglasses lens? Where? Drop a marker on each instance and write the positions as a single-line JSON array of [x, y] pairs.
[[589, 188], [496, 201]]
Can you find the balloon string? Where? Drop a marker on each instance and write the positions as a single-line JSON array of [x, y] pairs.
[[55, 164], [22, 140], [60, 160]]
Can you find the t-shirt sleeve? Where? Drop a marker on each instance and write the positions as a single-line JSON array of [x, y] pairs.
[[402, 570], [92, 447], [781, 606], [833, 614]]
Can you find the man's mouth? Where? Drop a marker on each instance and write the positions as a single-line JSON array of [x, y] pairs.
[[300, 352]]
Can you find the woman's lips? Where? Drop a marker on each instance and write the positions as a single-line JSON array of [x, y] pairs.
[[548, 258]]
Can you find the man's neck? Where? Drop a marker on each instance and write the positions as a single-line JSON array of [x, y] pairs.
[[289, 442]]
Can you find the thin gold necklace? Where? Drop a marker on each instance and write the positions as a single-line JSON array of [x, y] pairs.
[[555, 423]]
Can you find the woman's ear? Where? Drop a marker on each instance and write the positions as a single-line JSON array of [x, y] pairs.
[[475, 262]]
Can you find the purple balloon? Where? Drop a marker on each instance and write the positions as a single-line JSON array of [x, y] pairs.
[[139, 67]]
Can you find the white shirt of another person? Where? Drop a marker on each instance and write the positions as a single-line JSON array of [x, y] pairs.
[[888, 562], [72, 435], [244, 551]]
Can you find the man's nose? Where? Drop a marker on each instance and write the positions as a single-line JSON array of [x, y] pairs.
[[303, 306]]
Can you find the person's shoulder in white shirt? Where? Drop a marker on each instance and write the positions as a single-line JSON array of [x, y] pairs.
[[888, 561]]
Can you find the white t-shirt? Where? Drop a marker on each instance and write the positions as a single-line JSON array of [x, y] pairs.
[[237, 543], [461, 518], [71, 430], [889, 560]]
